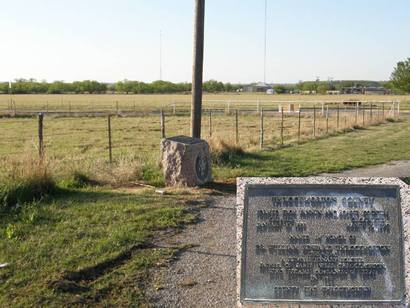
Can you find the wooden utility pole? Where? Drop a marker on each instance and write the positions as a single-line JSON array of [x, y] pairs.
[[197, 73]]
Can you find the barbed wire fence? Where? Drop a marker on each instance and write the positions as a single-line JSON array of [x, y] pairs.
[[266, 127]]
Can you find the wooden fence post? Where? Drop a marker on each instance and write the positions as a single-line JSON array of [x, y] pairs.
[[345, 116], [162, 124], [282, 127], [371, 113], [237, 126], [384, 115], [109, 139], [357, 113], [210, 123], [364, 116], [338, 117], [398, 110], [299, 120], [327, 119], [314, 121], [117, 107], [40, 136], [261, 129]]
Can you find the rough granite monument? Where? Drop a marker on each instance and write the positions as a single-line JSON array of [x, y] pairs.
[[323, 241], [185, 161]]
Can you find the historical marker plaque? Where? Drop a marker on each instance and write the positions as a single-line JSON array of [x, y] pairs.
[[322, 244]]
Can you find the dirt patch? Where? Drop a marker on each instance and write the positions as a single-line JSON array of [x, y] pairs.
[[202, 275]]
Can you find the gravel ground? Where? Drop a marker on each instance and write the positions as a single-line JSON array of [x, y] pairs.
[[202, 276], [397, 169]]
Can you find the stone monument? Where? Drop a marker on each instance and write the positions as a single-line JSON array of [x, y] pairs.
[[303, 242], [185, 161]]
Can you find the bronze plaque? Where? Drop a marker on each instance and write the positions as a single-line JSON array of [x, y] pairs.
[[322, 244]]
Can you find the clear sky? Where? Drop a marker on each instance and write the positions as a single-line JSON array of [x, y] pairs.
[[114, 40]]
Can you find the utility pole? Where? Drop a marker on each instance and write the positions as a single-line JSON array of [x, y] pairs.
[[198, 63]]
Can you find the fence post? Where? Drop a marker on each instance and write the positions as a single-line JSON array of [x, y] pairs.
[[237, 126], [117, 107], [384, 115], [398, 110], [299, 120], [371, 113], [282, 127], [210, 123], [40, 136], [357, 113], [162, 124], [327, 119], [109, 139], [261, 129], [345, 116], [338, 117], [364, 115], [314, 121]]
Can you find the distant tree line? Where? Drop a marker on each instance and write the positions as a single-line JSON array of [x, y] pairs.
[[322, 87], [32, 86], [398, 84]]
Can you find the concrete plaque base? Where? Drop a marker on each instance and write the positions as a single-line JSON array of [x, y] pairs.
[[185, 161]]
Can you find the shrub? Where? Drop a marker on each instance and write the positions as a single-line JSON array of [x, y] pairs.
[[24, 181], [222, 152]]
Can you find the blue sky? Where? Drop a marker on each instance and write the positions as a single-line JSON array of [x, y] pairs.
[[115, 40]]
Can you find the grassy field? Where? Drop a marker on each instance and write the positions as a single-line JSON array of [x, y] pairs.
[[86, 247], [110, 103], [94, 246], [73, 144], [371, 146]]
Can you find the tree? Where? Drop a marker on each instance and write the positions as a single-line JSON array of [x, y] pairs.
[[401, 76]]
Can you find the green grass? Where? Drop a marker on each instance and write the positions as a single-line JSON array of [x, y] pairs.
[[374, 145], [88, 246]]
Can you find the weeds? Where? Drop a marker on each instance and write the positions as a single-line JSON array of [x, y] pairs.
[[223, 152], [23, 181]]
